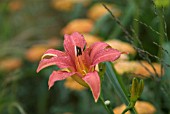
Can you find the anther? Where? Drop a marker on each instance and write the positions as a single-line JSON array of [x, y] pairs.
[[78, 51]]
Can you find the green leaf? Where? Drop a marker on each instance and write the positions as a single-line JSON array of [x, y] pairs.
[[166, 58], [117, 85], [162, 3]]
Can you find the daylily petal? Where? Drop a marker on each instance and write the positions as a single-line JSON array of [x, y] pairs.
[[73, 40], [108, 54], [58, 75], [61, 62], [96, 48], [93, 80], [53, 53]]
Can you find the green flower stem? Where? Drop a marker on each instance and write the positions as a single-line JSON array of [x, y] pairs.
[[102, 69], [118, 85], [105, 106], [124, 20], [130, 107], [162, 31], [135, 23]]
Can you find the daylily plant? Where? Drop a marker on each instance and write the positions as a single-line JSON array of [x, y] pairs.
[[79, 61]]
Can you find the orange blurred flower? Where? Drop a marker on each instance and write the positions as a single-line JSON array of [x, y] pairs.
[[54, 42], [67, 113], [137, 68], [9, 64], [97, 11], [79, 25], [90, 39], [73, 85], [123, 57], [142, 70], [67, 5], [122, 46], [35, 52], [125, 67], [141, 107], [15, 5]]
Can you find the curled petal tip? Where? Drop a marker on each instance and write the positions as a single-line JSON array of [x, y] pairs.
[[50, 84], [48, 55], [96, 99], [40, 67], [93, 80], [38, 70], [124, 52], [49, 87]]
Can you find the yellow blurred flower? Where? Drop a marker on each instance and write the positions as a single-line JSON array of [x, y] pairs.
[[97, 11], [90, 39], [136, 67], [141, 107], [67, 5], [9, 64], [78, 25], [73, 85], [121, 46]]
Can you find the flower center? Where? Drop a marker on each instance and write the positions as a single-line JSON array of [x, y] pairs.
[[79, 61]]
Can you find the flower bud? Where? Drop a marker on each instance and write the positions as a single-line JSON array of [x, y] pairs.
[[136, 89]]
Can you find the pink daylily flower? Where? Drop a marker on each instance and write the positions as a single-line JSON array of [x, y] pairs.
[[79, 61]]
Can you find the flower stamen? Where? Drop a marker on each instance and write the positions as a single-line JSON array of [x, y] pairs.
[[79, 61], [78, 51]]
